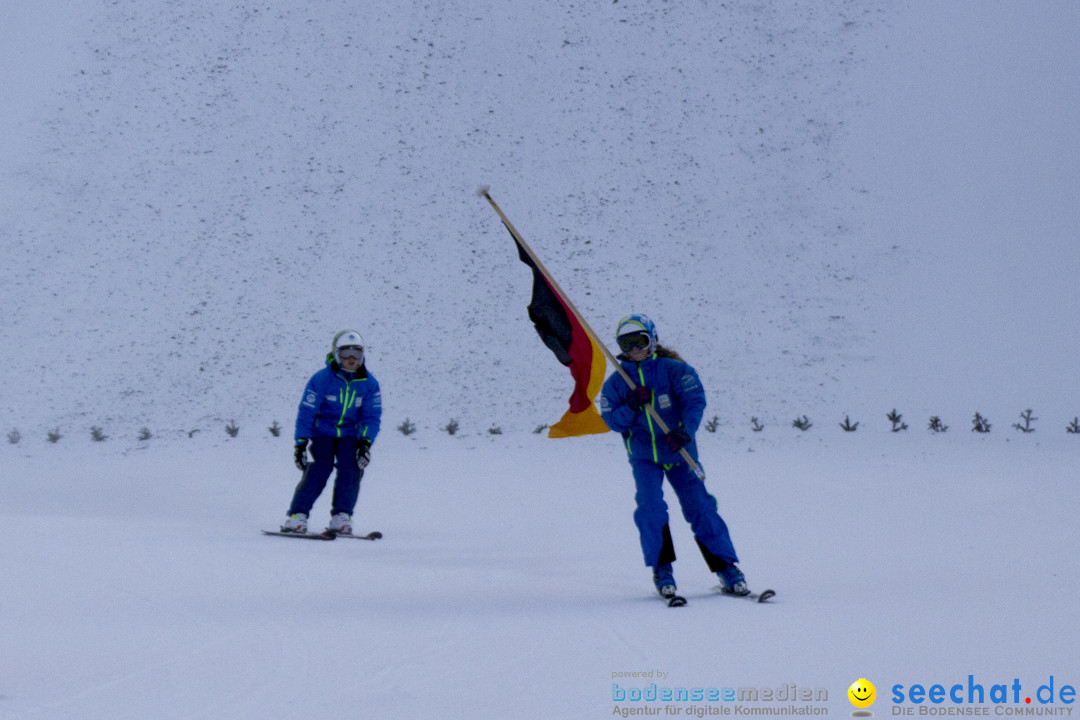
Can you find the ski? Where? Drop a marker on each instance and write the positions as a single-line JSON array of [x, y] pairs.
[[373, 535], [763, 596], [304, 535], [324, 535]]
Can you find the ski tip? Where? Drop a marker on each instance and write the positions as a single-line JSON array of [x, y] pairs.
[[374, 535], [676, 601], [766, 595]]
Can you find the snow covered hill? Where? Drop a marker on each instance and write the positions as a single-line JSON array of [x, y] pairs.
[[809, 199], [832, 209]]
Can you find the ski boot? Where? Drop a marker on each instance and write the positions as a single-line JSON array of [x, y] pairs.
[[341, 524], [295, 523], [664, 579], [732, 581]]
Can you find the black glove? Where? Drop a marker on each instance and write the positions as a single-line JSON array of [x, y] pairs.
[[300, 454], [639, 398], [363, 453], [677, 439]]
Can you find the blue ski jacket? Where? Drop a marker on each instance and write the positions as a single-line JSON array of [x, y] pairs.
[[677, 396], [340, 404]]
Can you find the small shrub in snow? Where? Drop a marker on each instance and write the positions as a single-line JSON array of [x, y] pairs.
[[144, 434], [232, 428], [897, 421], [275, 429], [14, 437], [451, 427], [802, 423], [407, 428], [97, 434], [848, 426], [980, 424], [755, 425], [936, 425], [494, 430], [712, 424], [539, 429], [54, 435], [1074, 426], [1027, 417]]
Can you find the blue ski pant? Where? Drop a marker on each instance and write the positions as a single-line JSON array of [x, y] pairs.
[[326, 452], [698, 507]]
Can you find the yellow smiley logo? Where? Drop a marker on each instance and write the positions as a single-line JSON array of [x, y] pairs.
[[862, 693]]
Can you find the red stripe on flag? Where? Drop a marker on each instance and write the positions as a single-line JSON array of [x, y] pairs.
[[581, 360]]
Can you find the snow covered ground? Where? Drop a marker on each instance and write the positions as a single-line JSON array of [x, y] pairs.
[[509, 583], [832, 209]]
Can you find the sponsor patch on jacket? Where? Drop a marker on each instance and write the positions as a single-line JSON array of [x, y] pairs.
[[689, 381], [663, 400]]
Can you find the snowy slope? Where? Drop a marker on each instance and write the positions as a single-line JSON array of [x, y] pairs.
[[974, 141], [216, 191], [509, 583], [207, 194], [831, 209]]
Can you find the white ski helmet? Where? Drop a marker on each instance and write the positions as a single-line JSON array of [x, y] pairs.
[[637, 325], [347, 339]]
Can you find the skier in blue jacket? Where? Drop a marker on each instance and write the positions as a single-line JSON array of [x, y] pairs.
[[338, 419], [674, 390]]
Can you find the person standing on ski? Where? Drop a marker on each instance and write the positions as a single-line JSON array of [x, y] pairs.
[[338, 421], [674, 390]]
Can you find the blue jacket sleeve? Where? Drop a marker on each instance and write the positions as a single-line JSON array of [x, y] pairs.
[[309, 407], [371, 411], [685, 382], [616, 413]]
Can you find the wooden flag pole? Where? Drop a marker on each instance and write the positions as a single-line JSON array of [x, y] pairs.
[[483, 192]]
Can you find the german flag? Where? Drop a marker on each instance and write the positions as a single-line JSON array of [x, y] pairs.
[[561, 331]]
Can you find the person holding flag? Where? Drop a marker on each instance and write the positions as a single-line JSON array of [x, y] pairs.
[[673, 390], [655, 400]]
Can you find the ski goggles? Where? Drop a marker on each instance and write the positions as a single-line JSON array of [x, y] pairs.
[[632, 341], [354, 352]]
